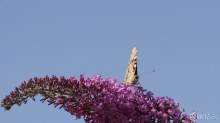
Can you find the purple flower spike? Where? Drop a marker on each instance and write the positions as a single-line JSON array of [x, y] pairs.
[[100, 100]]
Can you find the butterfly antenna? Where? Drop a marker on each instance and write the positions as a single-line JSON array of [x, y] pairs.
[[149, 72]]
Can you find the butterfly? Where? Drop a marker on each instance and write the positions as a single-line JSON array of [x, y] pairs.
[[131, 75]]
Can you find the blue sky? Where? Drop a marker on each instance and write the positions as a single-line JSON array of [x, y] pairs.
[[179, 39]]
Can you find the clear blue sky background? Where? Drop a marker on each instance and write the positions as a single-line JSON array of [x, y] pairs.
[[179, 39]]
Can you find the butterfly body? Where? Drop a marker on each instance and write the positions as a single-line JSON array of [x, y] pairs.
[[131, 75]]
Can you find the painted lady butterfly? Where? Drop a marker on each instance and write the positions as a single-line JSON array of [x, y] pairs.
[[131, 75]]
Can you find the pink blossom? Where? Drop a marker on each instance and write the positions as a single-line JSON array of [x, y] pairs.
[[99, 100]]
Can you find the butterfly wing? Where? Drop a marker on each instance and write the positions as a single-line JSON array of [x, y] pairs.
[[131, 75]]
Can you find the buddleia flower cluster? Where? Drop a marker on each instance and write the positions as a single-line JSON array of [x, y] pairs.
[[99, 100]]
